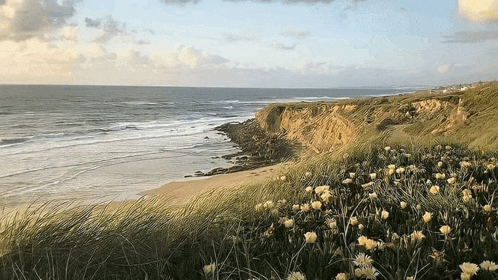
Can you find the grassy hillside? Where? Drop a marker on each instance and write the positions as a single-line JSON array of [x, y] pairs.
[[403, 187]]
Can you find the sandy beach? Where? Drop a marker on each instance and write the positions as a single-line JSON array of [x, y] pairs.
[[180, 191]]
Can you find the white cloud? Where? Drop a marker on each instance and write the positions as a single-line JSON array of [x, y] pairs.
[[24, 19], [295, 32], [479, 10]]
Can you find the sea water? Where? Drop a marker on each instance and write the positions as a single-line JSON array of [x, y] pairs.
[[102, 143]]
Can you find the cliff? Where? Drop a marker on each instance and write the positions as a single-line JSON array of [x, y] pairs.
[[468, 116]]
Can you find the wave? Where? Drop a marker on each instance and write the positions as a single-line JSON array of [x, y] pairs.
[[13, 141]]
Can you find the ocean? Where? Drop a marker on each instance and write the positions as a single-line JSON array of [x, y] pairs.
[[100, 143]]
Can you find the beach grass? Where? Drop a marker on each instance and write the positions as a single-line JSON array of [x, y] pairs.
[[428, 212]]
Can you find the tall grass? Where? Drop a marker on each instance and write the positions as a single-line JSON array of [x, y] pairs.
[[259, 231]]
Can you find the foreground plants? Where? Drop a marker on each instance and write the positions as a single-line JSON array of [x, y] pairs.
[[388, 213]]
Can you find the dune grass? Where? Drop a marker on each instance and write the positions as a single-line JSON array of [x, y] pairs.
[[390, 225]]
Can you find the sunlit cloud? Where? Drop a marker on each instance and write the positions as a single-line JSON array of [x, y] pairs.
[[479, 10]]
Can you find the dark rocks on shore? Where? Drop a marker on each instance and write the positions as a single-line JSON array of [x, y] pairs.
[[258, 147]]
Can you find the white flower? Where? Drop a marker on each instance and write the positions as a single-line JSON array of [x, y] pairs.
[[451, 180], [410, 278], [347, 181], [320, 189], [419, 206], [353, 221], [402, 204], [326, 196], [466, 195], [342, 276], [390, 172], [367, 185], [258, 207], [210, 268], [384, 215], [372, 196], [360, 226], [367, 272], [417, 236], [469, 268], [488, 265], [391, 166], [387, 149], [296, 207], [289, 223], [283, 178], [317, 205], [296, 276], [465, 276], [362, 260], [440, 164], [400, 170], [305, 207], [427, 217], [352, 175], [307, 174], [440, 176], [434, 190], [487, 208], [445, 230], [268, 205], [373, 176], [309, 189], [310, 237]]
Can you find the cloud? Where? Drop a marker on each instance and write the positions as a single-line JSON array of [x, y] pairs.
[[295, 32], [243, 36], [109, 28], [471, 36], [278, 46], [95, 23], [179, 2], [479, 10], [142, 42], [24, 19], [307, 2]]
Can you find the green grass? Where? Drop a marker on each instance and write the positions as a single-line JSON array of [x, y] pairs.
[[245, 236]]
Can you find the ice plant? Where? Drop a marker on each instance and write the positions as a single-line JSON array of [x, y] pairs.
[[372, 196], [296, 207], [417, 236], [402, 204], [434, 190], [305, 207], [487, 208], [469, 269], [384, 215], [373, 176], [362, 260], [326, 196], [353, 221], [296, 276], [451, 180], [209, 268], [427, 217], [445, 230], [489, 266], [310, 237], [347, 181], [317, 205], [342, 276], [289, 223], [309, 189]]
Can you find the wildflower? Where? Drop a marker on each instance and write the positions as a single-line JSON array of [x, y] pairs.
[[362, 240], [440, 176], [372, 196], [283, 178], [353, 221], [434, 190], [347, 181], [451, 180], [400, 170], [448, 147], [309, 189], [465, 276], [307, 174], [310, 237], [487, 208], [352, 175], [445, 230], [466, 195], [427, 217], [274, 212], [391, 166], [296, 276], [333, 225], [402, 204], [490, 166], [209, 268], [305, 207], [320, 189], [317, 205], [258, 207], [387, 149], [268, 205], [367, 272], [489, 266], [296, 207], [342, 276], [469, 268], [465, 164], [410, 278], [373, 176], [289, 223], [281, 202], [419, 207], [360, 226], [417, 236], [395, 237], [384, 215], [367, 185], [326, 196], [370, 244], [362, 260], [440, 164]]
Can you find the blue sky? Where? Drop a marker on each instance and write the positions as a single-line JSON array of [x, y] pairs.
[[290, 43]]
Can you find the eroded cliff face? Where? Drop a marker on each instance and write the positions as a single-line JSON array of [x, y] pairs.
[[454, 116]]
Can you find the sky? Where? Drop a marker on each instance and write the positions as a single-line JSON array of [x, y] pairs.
[[248, 43]]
